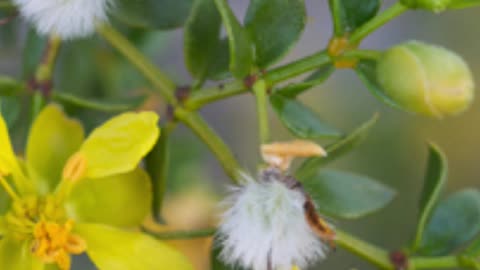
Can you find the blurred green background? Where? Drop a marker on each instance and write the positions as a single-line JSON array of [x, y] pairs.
[[394, 152]]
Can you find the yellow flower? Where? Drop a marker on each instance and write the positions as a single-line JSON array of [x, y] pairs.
[[73, 195]]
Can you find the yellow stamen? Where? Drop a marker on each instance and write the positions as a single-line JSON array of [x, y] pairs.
[[75, 168], [53, 243]]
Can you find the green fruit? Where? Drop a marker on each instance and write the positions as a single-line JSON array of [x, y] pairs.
[[425, 79]]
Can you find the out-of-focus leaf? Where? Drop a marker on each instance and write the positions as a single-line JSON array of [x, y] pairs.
[[241, 51], [457, 4], [32, 53], [104, 106], [157, 14], [473, 249], [346, 195], [454, 222], [301, 120], [10, 109], [336, 149], [122, 200], [113, 249], [351, 14], [316, 78], [435, 180], [52, 140], [219, 65], [202, 37], [119, 144], [157, 165], [365, 69], [216, 261], [274, 26]]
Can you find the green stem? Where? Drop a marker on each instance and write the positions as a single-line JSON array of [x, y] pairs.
[[216, 145], [362, 54], [66, 98], [160, 80], [176, 235], [373, 254], [434, 262], [298, 67], [260, 90], [360, 33], [204, 96]]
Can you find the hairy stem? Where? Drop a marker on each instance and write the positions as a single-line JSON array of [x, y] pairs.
[[260, 90], [216, 145], [176, 235]]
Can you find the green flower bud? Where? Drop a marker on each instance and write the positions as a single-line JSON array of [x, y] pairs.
[[432, 5], [425, 79]]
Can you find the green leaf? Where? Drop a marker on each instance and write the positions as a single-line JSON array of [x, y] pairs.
[[274, 26], [336, 149], [157, 164], [119, 144], [122, 200], [53, 138], [316, 78], [454, 222], [32, 53], [202, 37], [10, 86], [103, 106], [457, 4], [346, 195], [113, 249], [219, 65], [10, 108], [16, 255], [157, 14], [473, 250], [435, 180], [301, 120], [348, 15], [216, 261], [365, 69], [241, 52]]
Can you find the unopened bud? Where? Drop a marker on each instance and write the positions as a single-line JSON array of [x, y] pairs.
[[425, 79]]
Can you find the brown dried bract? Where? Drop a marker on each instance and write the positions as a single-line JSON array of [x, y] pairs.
[[281, 154]]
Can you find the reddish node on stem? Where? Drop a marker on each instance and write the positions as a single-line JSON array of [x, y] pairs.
[[399, 260], [250, 80], [182, 93]]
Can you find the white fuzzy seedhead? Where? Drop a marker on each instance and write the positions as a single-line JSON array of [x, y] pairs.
[[265, 226], [66, 18]]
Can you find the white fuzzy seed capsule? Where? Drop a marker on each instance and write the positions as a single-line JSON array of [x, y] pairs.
[[68, 19], [265, 227]]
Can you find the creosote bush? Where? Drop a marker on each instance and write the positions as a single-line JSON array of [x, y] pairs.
[[102, 194]]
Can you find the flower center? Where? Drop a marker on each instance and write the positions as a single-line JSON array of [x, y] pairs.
[[42, 220], [54, 242]]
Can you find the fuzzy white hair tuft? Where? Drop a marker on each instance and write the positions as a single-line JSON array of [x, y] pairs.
[[68, 19], [264, 224]]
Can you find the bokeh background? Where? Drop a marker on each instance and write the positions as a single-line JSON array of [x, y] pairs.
[[394, 153]]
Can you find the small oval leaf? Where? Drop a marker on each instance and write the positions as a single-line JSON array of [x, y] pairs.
[[454, 222], [435, 180], [301, 120], [274, 26], [348, 15], [346, 195], [241, 52]]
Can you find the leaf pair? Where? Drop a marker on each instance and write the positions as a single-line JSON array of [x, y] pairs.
[[270, 29], [453, 222]]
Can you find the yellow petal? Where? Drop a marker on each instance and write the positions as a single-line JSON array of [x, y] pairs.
[[118, 145], [7, 156]]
